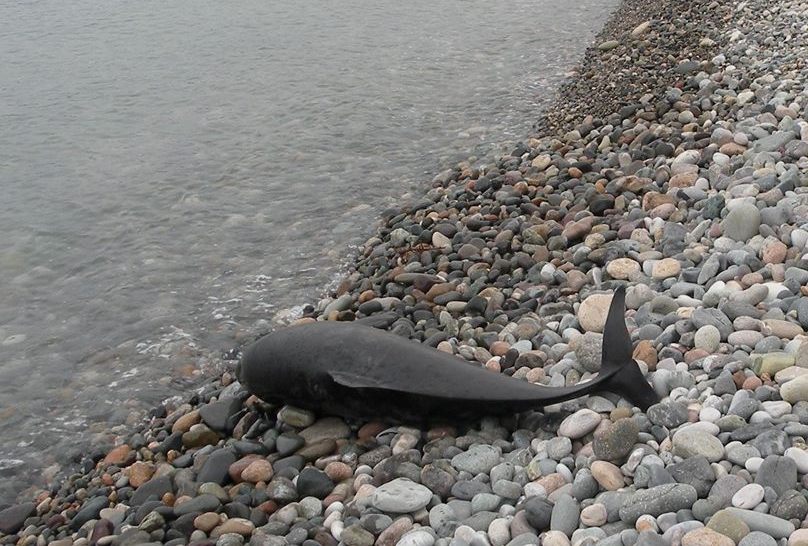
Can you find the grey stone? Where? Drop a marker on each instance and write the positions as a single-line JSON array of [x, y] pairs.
[[765, 523], [478, 459], [615, 443], [658, 500], [668, 414], [692, 442], [565, 515], [704, 316], [774, 142], [695, 471], [217, 415], [538, 511], [771, 442], [779, 473], [400, 496], [525, 539], [13, 517], [756, 538], [584, 486], [790, 505]]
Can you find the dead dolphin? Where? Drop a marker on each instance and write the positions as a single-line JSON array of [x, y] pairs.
[[356, 371]]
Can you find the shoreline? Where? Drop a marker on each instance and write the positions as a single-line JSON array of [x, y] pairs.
[[690, 187]]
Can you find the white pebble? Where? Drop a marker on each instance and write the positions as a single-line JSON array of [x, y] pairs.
[[753, 464], [535, 490], [748, 496], [760, 417], [336, 529], [799, 456], [710, 415]]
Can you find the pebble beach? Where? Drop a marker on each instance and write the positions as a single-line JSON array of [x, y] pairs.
[[675, 162]]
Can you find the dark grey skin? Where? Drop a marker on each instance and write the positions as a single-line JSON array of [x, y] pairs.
[[356, 371]]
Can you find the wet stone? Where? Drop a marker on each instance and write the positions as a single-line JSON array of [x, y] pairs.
[[202, 503], [216, 466], [218, 415], [13, 517], [90, 510]]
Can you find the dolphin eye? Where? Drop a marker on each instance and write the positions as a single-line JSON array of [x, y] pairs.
[[316, 389]]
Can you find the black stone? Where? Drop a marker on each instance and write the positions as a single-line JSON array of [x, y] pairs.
[[314, 483], [538, 512], [215, 467], [287, 443], [203, 503], [89, 511], [218, 415]]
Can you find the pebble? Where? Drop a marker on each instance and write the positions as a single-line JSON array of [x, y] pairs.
[[579, 424], [608, 476], [565, 515], [756, 538], [592, 312], [725, 523], [477, 460], [705, 537], [594, 515], [795, 390], [748, 497], [757, 521], [800, 458], [657, 500], [615, 442], [691, 442], [400, 496]]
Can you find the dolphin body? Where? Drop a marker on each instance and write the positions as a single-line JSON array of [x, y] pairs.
[[351, 370]]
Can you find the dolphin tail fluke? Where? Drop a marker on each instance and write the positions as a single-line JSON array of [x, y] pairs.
[[625, 377]]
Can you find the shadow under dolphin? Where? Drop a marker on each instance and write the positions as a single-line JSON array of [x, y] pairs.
[[350, 370]]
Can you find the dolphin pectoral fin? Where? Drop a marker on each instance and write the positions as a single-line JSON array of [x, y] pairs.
[[355, 381]]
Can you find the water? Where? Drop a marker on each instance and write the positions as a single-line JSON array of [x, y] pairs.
[[173, 174]]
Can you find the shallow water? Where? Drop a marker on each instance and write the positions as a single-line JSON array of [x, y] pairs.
[[175, 173]]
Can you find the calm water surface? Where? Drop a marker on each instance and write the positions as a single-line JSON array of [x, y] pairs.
[[173, 174]]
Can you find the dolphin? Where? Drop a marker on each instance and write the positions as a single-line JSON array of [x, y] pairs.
[[351, 370]]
